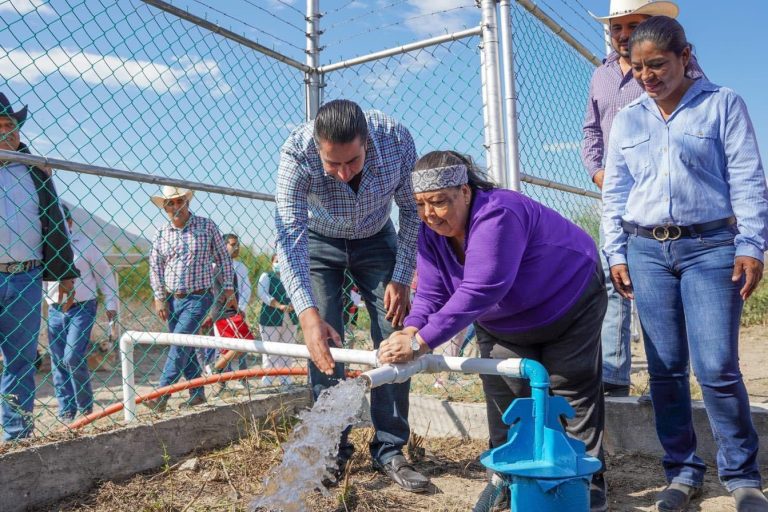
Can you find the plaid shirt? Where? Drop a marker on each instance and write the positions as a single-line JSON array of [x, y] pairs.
[[180, 260], [307, 198], [609, 92]]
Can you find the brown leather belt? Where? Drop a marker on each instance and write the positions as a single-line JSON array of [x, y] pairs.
[[672, 232], [184, 295], [16, 267]]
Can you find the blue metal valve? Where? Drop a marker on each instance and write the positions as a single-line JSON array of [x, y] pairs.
[[546, 470]]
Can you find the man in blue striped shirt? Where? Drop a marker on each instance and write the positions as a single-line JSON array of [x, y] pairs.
[[335, 185]]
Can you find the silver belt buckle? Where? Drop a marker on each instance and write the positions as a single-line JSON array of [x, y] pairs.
[[15, 268], [660, 233], [663, 233]]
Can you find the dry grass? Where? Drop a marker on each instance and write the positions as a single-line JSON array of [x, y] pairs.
[[228, 479]]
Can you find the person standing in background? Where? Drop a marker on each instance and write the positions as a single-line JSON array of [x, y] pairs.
[[69, 332], [277, 321]]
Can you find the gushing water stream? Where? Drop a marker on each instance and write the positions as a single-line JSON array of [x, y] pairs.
[[312, 448]]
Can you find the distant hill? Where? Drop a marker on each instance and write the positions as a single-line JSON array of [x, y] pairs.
[[107, 236]]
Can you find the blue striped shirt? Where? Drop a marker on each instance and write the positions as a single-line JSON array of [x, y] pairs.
[[308, 199], [701, 164]]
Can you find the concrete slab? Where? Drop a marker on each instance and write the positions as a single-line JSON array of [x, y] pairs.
[[629, 425], [48, 473]]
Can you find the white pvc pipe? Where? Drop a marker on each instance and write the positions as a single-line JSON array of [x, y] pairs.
[[129, 388], [386, 374], [366, 357], [431, 363]]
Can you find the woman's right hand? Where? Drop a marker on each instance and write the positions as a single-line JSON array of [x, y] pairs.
[[621, 281]]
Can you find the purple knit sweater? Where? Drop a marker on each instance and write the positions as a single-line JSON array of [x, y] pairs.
[[525, 266]]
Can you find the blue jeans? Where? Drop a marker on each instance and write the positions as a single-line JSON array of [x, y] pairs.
[[616, 335], [69, 336], [689, 311], [186, 317], [20, 301], [371, 262]]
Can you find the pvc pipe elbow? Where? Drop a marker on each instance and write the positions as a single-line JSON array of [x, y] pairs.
[[535, 372]]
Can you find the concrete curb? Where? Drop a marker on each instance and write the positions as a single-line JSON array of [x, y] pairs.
[[48, 473], [629, 425]]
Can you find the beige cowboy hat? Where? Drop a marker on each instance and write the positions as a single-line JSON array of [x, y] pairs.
[[629, 7], [169, 192]]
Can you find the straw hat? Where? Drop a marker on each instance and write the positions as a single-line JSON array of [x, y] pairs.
[[169, 192], [629, 7]]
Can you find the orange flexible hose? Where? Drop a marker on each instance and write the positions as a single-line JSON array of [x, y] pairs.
[[191, 384]]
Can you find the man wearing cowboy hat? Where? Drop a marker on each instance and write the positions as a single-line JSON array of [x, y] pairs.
[[181, 275], [613, 87], [34, 247]]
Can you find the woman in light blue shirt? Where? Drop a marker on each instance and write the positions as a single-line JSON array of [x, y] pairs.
[[685, 212]]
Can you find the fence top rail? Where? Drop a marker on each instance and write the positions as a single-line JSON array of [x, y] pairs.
[[559, 31], [233, 36], [433, 41], [108, 172], [535, 180]]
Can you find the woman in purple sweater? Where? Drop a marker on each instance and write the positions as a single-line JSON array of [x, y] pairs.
[[528, 278]]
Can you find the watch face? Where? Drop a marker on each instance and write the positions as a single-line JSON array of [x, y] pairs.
[[415, 346]]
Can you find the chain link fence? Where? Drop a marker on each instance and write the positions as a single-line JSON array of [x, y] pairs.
[[123, 85], [552, 81]]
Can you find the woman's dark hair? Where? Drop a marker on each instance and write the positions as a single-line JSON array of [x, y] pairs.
[[666, 33], [340, 122], [477, 178]]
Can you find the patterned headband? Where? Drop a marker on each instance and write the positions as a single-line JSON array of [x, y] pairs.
[[427, 180]]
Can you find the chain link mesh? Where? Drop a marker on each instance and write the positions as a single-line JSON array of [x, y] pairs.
[[126, 86], [552, 81]]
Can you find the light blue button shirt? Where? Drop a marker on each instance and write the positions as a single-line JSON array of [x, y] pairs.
[[20, 230], [701, 164]]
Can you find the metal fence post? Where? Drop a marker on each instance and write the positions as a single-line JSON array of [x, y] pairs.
[[313, 58], [498, 166], [486, 114], [510, 95]]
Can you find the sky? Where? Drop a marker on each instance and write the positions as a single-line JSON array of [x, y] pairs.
[[121, 84]]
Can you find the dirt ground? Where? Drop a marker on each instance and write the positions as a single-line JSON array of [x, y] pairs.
[[228, 480]]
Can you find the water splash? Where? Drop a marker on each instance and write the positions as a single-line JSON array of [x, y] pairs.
[[312, 448]]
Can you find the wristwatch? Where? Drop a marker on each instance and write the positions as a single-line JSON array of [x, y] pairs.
[[415, 346]]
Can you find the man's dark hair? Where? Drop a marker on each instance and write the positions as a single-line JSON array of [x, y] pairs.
[[340, 122], [231, 235], [666, 33]]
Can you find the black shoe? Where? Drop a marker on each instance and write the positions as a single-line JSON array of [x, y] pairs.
[[676, 497], [194, 402], [403, 474], [495, 496], [67, 417], [615, 389], [598, 496], [750, 499], [644, 399], [157, 405]]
